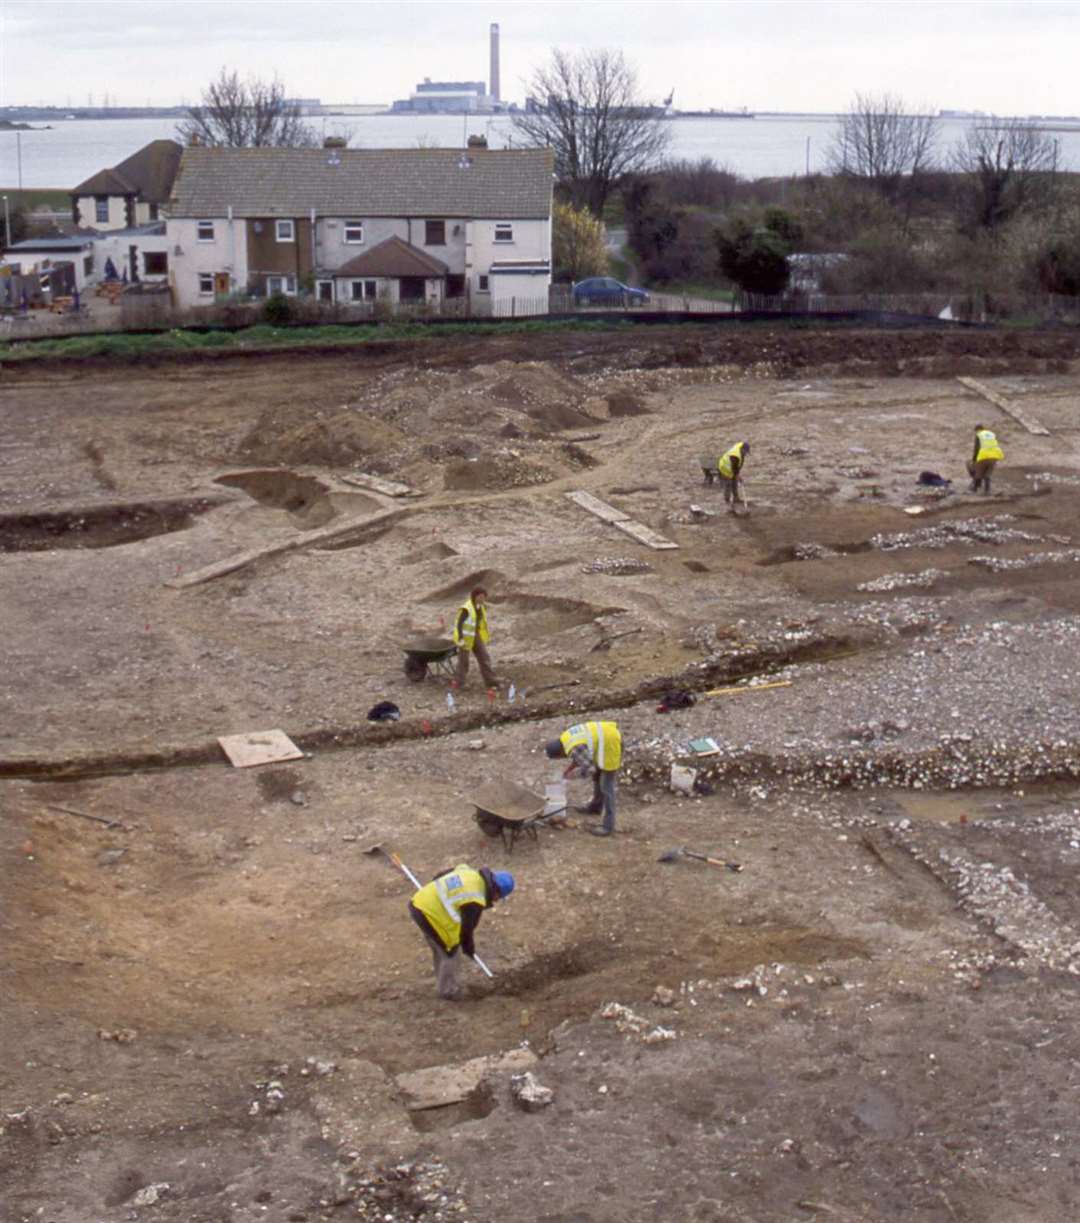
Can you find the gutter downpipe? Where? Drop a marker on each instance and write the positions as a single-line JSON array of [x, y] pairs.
[[313, 257], [232, 246]]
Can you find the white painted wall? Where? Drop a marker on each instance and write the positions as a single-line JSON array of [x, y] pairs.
[[116, 246], [518, 293], [532, 240], [331, 250], [227, 252]]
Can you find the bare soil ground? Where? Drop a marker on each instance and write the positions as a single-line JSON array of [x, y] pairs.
[[209, 990]]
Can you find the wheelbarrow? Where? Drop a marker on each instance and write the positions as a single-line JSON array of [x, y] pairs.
[[507, 810], [437, 654]]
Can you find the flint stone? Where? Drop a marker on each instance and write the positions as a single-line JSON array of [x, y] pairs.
[[528, 1094]]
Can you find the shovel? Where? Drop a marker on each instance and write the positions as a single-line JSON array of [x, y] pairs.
[[394, 860], [673, 855]]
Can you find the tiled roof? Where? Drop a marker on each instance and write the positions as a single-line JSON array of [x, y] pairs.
[[494, 183], [105, 182], [393, 257], [149, 174]]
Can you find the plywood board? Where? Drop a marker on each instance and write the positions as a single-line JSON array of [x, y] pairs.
[[389, 488], [644, 535], [259, 747], [595, 506], [999, 401]]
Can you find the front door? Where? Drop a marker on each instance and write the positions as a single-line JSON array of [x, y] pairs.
[[412, 289], [221, 284]]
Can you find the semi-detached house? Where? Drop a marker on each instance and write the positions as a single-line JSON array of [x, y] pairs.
[[362, 225]]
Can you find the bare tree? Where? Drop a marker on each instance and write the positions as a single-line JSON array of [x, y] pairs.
[[585, 106], [881, 140], [1010, 167], [246, 114]]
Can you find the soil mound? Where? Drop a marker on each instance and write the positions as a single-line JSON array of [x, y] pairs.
[[338, 440], [494, 472], [624, 403]]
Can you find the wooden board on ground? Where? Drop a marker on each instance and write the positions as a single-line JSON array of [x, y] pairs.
[[999, 401], [437, 1086], [595, 506], [238, 560], [389, 488], [645, 535], [508, 800], [259, 747]]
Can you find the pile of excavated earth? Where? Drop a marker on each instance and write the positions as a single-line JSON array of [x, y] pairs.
[[826, 969]]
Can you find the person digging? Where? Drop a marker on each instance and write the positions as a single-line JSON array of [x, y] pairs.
[[729, 468], [984, 458], [471, 636], [596, 748], [448, 910]]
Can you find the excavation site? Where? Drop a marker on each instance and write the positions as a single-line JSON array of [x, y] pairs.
[[827, 966]]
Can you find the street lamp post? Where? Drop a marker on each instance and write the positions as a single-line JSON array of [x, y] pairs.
[[7, 224]]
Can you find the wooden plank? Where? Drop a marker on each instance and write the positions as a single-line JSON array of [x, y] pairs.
[[595, 506], [999, 401], [259, 747], [645, 535], [389, 488], [231, 563], [779, 683]]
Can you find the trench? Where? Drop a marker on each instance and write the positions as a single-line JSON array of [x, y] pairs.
[[100, 526], [698, 678], [308, 501]]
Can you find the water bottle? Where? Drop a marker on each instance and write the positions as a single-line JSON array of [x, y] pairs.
[[450, 702], [511, 696]]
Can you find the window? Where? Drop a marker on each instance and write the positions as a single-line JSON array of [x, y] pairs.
[[504, 231], [206, 283], [285, 285], [101, 209], [363, 290], [482, 284], [285, 231], [354, 232], [155, 263], [88, 265], [434, 233], [205, 231]]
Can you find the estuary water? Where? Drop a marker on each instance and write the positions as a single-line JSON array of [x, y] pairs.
[[763, 147]]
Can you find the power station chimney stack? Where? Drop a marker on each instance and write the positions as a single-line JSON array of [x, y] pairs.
[[493, 84]]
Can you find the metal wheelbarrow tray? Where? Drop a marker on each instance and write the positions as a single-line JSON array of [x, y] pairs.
[[435, 653], [505, 809]]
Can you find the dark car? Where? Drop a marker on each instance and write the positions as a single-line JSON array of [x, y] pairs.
[[605, 291]]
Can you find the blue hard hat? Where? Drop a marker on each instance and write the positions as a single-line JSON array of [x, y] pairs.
[[504, 881]]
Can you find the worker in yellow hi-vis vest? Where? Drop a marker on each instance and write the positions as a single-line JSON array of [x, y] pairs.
[[729, 468], [448, 910], [984, 458], [471, 636], [594, 747]]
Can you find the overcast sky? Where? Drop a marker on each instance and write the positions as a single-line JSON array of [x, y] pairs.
[[1001, 56]]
